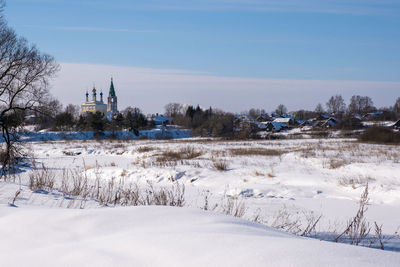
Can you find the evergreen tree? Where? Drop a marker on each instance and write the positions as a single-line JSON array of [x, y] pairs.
[[96, 123], [64, 121], [134, 120]]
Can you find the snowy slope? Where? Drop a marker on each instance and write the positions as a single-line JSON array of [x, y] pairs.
[[162, 236]]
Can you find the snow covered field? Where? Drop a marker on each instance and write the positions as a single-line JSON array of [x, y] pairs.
[[285, 184]]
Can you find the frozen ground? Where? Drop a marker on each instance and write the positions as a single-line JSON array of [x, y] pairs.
[[284, 184]]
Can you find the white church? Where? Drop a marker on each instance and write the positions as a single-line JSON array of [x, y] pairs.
[[95, 105]]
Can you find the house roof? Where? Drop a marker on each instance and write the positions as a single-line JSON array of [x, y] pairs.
[[325, 116], [278, 125], [161, 118], [244, 116], [274, 115], [264, 117], [287, 116]]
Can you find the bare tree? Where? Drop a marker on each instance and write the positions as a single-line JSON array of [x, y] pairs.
[[47, 111], [173, 109], [319, 108], [336, 104], [133, 110], [361, 104], [255, 112], [24, 79], [134, 119], [281, 109], [74, 110], [67, 119], [396, 106]]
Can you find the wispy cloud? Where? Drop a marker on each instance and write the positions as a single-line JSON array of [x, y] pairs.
[[90, 29], [99, 29], [357, 7], [151, 89]]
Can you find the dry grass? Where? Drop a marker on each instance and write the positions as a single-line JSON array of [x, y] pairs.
[[220, 165], [75, 185], [307, 152], [124, 173], [232, 206], [354, 182], [257, 173], [335, 163], [184, 153], [119, 145], [358, 227], [256, 152], [41, 179], [219, 153], [144, 149]]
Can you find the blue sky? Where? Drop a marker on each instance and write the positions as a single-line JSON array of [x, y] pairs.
[[331, 40]]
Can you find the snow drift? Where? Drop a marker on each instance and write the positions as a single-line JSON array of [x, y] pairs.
[[162, 236]]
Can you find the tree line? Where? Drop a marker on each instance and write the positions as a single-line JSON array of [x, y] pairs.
[[217, 123], [71, 119]]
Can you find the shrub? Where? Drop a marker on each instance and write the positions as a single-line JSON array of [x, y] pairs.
[[379, 134]]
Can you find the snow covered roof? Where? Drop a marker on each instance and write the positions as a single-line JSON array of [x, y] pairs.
[[283, 120], [396, 124]]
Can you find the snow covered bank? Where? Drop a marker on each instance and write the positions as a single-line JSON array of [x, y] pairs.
[[162, 236], [158, 133]]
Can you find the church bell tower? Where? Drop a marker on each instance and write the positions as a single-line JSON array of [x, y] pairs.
[[112, 100]]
